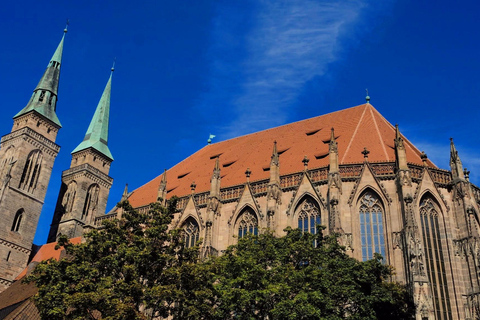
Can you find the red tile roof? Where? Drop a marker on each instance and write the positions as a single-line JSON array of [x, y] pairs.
[[355, 128], [15, 302], [47, 251]]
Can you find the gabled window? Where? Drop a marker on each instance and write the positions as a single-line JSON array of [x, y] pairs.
[[17, 221], [308, 216], [247, 223], [371, 226], [429, 214], [31, 171], [191, 232]]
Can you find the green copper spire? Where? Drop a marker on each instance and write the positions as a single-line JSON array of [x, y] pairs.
[[97, 132], [44, 98]]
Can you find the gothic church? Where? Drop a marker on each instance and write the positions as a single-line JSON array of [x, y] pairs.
[[351, 171]]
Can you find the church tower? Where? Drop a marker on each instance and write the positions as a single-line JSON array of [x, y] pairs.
[[27, 155], [86, 185]]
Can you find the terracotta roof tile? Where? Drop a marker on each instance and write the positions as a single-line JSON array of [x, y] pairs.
[[356, 128], [47, 251]]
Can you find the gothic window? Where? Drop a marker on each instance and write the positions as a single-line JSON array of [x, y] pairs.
[[434, 258], [31, 171], [7, 161], [371, 226], [191, 232], [308, 216], [17, 220], [42, 95], [69, 197], [247, 223], [91, 201]]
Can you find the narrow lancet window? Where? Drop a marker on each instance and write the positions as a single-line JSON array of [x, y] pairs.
[[31, 171], [17, 221], [434, 258], [371, 226], [91, 201]]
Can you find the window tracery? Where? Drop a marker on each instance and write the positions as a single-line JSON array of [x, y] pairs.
[[191, 232], [247, 223], [434, 258], [371, 226], [91, 201], [69, 197], [31, 171], [308, 216]]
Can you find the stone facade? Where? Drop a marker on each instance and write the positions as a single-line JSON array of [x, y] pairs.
[[83, 195], [423, 220]]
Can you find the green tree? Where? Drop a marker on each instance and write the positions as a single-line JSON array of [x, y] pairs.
[[138, 268], [304, 276], [135, 268]]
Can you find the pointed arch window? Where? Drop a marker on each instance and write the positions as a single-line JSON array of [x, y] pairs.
[[31, 171], [17, 221], [434, 258], [191, 232], [247, 223], [371, 226], [308, 216], [91, 201], [69, 197], [7, 160]]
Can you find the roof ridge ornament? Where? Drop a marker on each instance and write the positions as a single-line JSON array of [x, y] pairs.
[[210, 137], [365, 153], [367, 98]]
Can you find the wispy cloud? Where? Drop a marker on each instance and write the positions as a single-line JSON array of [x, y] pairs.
[[282, 46]]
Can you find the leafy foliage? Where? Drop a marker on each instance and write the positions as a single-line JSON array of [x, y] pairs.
[[137, 268], [132, 269], [268, 277]]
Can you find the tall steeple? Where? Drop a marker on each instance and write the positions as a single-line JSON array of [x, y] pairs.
[[44, 97], [86, 185], [27, 155], [97, 132]]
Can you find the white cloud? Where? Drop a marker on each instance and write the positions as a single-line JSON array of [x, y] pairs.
[[263, 54]]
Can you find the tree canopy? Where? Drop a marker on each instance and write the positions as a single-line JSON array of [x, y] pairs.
[[140, 268]]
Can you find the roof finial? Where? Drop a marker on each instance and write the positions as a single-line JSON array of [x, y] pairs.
[[210, 137], [66, 26], [247, 174], [367, 98], [113, 66], [365, 153]]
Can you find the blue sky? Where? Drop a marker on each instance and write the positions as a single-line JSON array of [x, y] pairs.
[[186, 69]]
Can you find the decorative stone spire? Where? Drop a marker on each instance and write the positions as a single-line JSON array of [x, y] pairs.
[[333, 152], [44, 97], [334, 186], [214, 197], [125, 193], [215, 181], [455, 162], [274, 191], [275, 165], [97, 132], [162, 188], [403, 172], [400, 152]]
